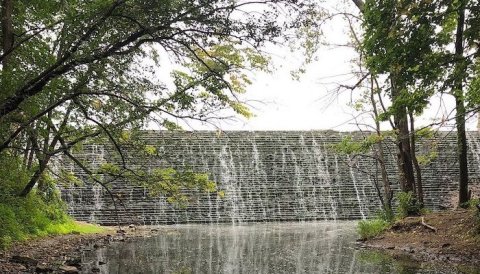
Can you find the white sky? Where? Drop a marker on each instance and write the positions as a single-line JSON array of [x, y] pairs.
[[282, 103]]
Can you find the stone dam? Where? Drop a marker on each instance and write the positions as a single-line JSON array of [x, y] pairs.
[[265, 176]]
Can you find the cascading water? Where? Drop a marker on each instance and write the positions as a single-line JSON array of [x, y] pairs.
[[354, 181], [474, 148], [97, 158], [266, 176], [325, 180], [228, 177]]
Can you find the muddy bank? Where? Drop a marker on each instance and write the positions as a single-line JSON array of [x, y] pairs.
[[62, 254], [450, 237]]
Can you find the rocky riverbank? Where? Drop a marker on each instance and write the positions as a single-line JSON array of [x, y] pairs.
[[61, 254], [449, 237]]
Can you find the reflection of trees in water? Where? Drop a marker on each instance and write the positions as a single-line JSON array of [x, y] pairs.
[[259, 248]]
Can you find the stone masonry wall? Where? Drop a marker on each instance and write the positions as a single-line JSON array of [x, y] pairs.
[[266, 176]]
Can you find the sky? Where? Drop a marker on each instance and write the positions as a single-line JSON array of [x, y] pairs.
[[280, 102]]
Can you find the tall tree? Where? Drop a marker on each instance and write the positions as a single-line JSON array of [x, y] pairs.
[[7, 30], [411, 42], [458, 93], [79, 70], [384, 30]]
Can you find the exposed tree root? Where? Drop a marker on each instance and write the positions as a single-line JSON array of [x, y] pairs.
[[428, 226]]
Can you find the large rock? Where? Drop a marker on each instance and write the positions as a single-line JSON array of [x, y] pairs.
[[23, 260], [68, 269]]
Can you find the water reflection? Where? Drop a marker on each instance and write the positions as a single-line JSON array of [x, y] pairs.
[[316, 247]]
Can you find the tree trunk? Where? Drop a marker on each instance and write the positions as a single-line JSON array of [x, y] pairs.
[[383, 169], [404, 161], [404, 157], [359, 4], [36, 176], [7, 30], [418, 171], [45, 157], [462, 152], [460, 108], [26, 153]]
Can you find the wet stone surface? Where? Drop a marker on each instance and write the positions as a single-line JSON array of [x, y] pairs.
[[265, 176]]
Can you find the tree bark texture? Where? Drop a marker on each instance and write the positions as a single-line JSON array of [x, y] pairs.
[[404, 160], [380, 154], [418, 170], [462, 147], [7, 29]]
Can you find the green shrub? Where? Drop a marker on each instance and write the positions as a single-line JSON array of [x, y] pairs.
[[407, 205], [386, 215], [30, 217], [371, 228], [39, 214], [472, 203]]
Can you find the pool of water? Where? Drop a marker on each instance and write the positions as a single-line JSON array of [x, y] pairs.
[[306, 247]]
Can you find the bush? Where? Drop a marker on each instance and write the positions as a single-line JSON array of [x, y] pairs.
[[386, 215], [25, 218], [39, 214], [371, 228], [407, 205], [473, 203]]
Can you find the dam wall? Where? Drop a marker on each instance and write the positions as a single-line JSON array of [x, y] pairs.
[[264, 176]]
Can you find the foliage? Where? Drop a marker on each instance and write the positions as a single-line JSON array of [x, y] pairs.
[[472, 203], [424, 48], [30, 217], [386, 215], [41, 213], [178, 186], [103, 70], [407, 204], [24, 218], [170, 182], [428, 148], [401, 38], [349, 146], [372, 228]]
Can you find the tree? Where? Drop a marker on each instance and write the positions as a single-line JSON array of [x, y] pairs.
[[458, 92], [372, 145], [78, 70], [411, 42], [399, 40], [381, 26]]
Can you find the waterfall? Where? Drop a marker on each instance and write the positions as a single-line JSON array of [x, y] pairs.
[[266, 176], [474, 147], [229, 181], [323, 175], [97, 156], [357, 193]]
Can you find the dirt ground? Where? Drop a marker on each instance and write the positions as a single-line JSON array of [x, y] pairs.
[[454, 238], [60, 254]]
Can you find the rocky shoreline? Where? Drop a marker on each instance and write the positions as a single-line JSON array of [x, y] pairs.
[[62, 254], [452, 240]]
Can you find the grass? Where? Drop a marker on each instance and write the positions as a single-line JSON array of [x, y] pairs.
[[371, 228], [407, 205], [73, 227], [41, 213], [31, 217]]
